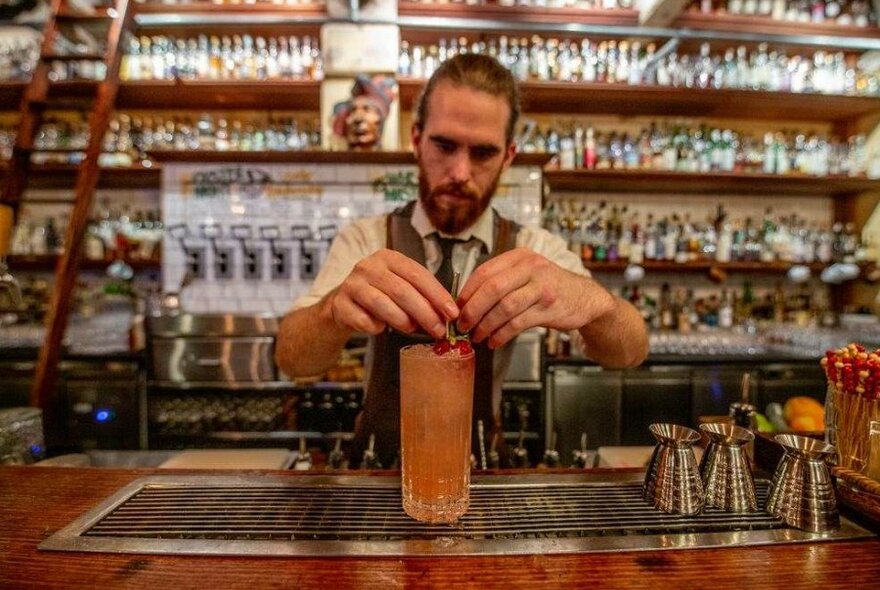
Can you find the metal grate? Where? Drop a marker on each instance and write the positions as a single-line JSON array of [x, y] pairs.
[[345, 515]]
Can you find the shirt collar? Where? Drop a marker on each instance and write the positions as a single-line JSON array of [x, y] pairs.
[[482, 229]]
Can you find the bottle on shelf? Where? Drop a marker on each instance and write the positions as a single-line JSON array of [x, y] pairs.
[[613, 233], [700, 149], [236, 57], [614, 61], [857, 13]]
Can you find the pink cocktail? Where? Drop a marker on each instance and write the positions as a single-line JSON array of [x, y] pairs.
[[436, 405]]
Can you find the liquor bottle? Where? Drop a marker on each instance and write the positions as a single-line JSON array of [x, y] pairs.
[[667, 313], [590, 150], [725, 311], [650, 239], [637, 247], [744, 313]]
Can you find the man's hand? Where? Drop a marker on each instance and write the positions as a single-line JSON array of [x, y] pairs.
[[388, 288], [521, 289]]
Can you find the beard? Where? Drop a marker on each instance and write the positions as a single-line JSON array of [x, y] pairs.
[[454, 218]]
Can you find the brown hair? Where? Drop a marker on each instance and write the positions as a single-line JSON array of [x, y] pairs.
[[477, 72]]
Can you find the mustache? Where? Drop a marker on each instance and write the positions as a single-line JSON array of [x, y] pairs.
[[457, 189]]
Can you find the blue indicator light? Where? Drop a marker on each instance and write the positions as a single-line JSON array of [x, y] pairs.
[[102, 415]]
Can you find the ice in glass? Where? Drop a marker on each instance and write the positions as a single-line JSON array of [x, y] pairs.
[[436, 405]]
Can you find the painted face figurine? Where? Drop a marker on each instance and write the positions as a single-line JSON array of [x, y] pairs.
[[360, 119]]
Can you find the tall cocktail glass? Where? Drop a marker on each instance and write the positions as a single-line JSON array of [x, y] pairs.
[[436, 407]]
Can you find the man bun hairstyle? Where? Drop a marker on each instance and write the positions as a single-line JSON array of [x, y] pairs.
[[477, 72]]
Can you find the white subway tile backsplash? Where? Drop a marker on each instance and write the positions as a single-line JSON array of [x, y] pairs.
[[320, 195], [357, 174], [319, 174]]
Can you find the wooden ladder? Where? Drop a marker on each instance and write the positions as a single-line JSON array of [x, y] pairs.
[[43, 94]]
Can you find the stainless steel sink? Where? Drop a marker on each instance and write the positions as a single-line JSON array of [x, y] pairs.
[[256, 514]]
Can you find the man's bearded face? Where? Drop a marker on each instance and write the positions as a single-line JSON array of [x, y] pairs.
[[462, 149], [453, 208]]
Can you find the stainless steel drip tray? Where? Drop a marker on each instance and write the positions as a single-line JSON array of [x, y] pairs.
[[360, 515]]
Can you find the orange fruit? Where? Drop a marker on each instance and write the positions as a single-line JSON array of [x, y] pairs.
[[811, 411], [806, 424]]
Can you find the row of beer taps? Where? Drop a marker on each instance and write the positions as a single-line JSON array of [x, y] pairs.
[[485, 458], [211, 238]]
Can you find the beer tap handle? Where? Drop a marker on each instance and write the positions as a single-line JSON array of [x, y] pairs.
[[300, 234], [520, 454], [551, 455], [303, 461], [336, 458], [211, 232], [371, 460], [494, 456], [327, 232], [242, 232], [581, 459], [271, 233]]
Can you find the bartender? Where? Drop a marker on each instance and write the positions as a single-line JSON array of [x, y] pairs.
[[390, 276]]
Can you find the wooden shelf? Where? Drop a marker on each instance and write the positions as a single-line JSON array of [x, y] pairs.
[[81, 18], [716, 183], [63, 176], [10, 95], [49, 261], [690, 29], [664, 101], [262, 95], [521, 16], [742, 24], [315, 157], [72, 57], [70, 94], [251, 19], [208, 9], [609, 181], [669, 266]]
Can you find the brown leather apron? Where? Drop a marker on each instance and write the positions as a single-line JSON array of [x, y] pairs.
[[381, 413]]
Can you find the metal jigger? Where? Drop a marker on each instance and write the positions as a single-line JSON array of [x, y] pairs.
[[672, 482], [801, 493], [724, 470]]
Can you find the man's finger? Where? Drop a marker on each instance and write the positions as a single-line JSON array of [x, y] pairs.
[[414, 304], [424, 282], [512, 305], [351, 315], [378, 305], [488, 293], [501, 263]]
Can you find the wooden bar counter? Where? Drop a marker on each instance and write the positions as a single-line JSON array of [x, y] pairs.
[[35, 502]]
